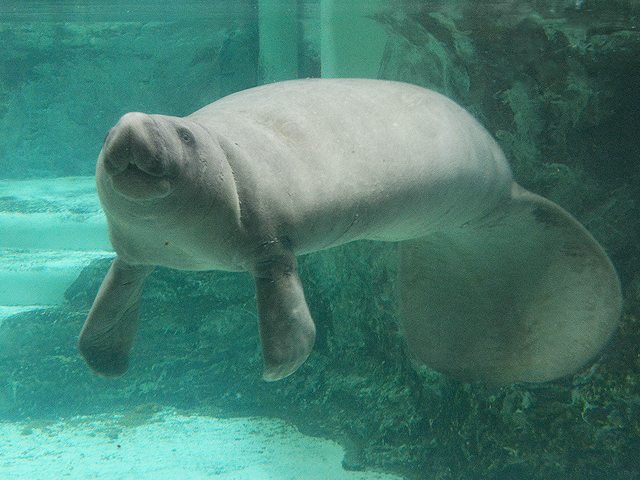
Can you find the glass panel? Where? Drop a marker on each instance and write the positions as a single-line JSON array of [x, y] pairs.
[[555, 82]]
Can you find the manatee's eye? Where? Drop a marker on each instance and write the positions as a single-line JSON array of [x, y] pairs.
[[185, 135]]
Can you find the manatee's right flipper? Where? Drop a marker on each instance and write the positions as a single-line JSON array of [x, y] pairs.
[[525, 294], [287, 331], [108, 332]]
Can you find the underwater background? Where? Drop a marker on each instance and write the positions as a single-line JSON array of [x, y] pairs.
[[557, 82]]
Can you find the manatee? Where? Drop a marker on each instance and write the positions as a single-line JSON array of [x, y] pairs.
[[496, 283]]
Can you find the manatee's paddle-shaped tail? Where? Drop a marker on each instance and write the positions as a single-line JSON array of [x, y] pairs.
[[108, 332], [287, 331], [525, 294]]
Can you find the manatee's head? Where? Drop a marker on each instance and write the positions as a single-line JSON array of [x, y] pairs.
[[158, 164], [159, 178], [144, 156]]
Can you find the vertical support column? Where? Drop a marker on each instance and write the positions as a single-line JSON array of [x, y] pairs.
[[278, 29], [351, 43]]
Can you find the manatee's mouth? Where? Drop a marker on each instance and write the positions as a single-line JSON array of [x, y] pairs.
[[136, 184]]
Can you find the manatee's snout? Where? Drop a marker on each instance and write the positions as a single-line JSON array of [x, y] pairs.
[[134, 142], [134, 156]]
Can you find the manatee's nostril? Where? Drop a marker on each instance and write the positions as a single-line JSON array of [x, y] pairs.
[[131, 168], [112, 164], [145, 158]]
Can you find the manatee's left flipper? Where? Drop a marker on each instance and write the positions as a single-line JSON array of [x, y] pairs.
[[525, 294], [287, 331], [108, 332]]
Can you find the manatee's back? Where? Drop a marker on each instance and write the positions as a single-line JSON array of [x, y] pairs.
[[397, 160]]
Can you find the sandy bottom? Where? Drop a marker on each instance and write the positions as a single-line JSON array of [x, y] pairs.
[[170, 446]]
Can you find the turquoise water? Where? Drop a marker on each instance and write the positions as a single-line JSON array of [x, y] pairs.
[[556, 83]]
